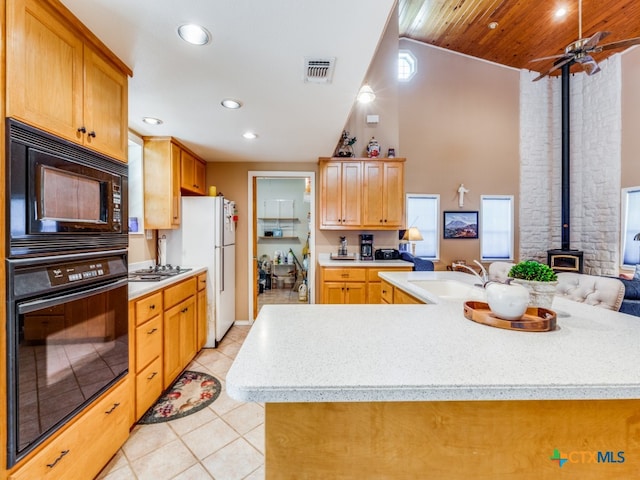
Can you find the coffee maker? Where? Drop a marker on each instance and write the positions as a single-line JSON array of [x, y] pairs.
[[366, 246]]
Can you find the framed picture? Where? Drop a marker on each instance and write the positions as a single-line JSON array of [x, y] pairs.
[[460, 225]]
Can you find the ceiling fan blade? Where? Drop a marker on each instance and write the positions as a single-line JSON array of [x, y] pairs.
[[589, 65], [595, 39], [621, 44], [555, 67], [550, 57]]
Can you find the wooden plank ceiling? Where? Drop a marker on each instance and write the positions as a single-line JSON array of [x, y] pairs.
[[526, 29]]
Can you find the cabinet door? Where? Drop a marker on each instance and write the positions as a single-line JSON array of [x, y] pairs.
[[331, 194], [393, 195], [171, 353], [374, 292], [333, 292], [201, 329], [188, 331], [351, 194], [105, 106], [175, 186], [44, 69], [200, 176], [373, 194], [187, 173], [355, 292]]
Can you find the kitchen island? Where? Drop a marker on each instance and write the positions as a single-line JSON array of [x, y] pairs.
[[419, 391]]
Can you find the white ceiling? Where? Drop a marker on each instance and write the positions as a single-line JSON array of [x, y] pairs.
[[256, 55]]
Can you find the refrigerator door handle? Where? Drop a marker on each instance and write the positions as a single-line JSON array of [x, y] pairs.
[[221, 269]]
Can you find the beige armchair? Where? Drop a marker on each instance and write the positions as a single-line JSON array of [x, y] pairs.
[[605, 292]]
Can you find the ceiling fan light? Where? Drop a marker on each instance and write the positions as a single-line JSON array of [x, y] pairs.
[[249, 135], [194, 34], [366, 94], [493, 25]]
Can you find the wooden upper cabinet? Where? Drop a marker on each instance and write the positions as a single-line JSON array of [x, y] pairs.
[[362, 194], [105, 106], [383, 193], [193, 174], [340, 194], [161, 183], [62, 81]]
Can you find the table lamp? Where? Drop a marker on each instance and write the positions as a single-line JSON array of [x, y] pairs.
[[413, 235]]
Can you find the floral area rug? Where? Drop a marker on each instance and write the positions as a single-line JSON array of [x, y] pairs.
[[191, 392]]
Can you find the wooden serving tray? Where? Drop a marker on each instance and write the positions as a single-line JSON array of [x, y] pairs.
[[535, 319]]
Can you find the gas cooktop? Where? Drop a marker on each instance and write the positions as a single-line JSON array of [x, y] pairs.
[[157, 273]]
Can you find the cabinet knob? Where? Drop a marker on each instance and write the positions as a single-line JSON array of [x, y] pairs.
[[82, 130], [152, 307], [185, 310], [153, 330], [115, 405], [152, 375], [92, 134]]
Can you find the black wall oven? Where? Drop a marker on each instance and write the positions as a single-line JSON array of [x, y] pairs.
[[66, 283], [62, 197], [67, 334]]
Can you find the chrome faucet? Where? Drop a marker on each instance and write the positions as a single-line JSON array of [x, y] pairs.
[[484, 277]]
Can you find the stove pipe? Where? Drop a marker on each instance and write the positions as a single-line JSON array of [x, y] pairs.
[[565, 205]]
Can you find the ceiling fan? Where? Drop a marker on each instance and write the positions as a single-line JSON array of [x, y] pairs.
[[580, 50]]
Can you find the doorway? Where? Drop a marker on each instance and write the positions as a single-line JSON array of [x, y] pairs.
[[282, 234]]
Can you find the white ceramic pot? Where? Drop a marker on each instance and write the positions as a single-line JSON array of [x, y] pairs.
[[507, 301], [540, 293]]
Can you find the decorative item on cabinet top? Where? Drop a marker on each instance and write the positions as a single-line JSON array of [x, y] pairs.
[[345, 146]]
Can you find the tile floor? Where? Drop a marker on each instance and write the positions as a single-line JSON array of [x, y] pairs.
[[224, 441]]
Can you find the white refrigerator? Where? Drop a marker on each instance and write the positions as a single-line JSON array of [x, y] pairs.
[[207, 237]]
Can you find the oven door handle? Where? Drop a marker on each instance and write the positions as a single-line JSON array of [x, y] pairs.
[[28, 307]]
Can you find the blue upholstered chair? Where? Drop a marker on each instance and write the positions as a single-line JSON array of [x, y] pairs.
[[419, 264]]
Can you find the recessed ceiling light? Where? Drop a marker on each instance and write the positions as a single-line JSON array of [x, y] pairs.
[[249, 135], [194, 34], [561, 12], [231, 103], [493, 25], [152, 120]]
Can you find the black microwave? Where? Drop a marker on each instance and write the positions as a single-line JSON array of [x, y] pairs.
[[62, 196]]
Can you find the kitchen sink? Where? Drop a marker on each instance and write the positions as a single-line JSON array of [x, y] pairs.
[[452, 289]]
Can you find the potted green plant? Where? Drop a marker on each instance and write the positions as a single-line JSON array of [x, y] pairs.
[[538, 278]]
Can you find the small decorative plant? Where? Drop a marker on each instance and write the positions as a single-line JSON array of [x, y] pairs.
[[533, 271]]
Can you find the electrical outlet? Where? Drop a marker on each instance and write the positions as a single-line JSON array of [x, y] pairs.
[[149, 234]]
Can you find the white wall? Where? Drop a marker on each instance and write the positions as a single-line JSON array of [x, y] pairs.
[[595, 155]]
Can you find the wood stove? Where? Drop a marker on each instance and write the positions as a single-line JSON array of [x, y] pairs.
[[565, 259]]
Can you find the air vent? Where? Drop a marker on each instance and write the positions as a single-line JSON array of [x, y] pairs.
[[318, 70]]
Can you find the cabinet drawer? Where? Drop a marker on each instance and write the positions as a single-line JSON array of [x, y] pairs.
[[372, 273], [148, 386], [345, 274], [386, 292], [71, 455], [148, 307], [202, 281], [177, 293], [148, 342]]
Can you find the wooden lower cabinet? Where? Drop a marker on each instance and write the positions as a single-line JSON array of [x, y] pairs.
[[391, 294], [82, 450], [201, 305], [352, 284], [179, 328]]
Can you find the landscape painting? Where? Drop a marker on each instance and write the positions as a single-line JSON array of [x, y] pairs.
[[460, 225]]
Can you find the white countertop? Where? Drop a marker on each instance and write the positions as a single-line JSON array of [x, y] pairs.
[[139, 289], [324, 260], [317, 353]]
